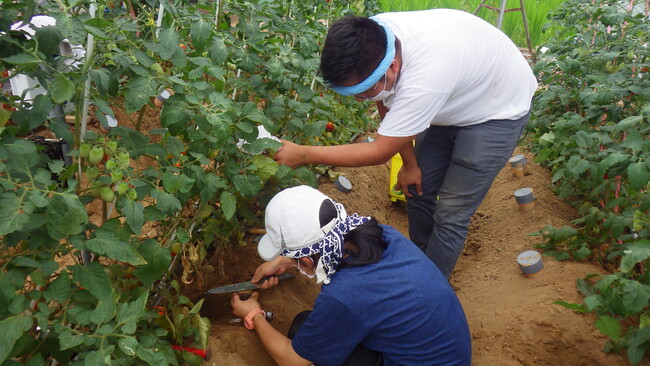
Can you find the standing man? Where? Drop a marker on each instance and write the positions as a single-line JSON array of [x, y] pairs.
[[382, 301], [449, 80]]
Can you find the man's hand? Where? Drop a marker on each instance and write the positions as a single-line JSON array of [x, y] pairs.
[[290, 154], [409, 175], [275, 267], [241, 308]]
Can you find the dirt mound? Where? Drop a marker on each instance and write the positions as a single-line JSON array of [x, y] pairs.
[[512, 318]]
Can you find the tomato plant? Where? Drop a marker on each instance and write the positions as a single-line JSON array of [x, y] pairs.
[[186, 174], [590, 123]]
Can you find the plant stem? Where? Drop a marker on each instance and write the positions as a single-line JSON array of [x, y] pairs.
[[138, 124]]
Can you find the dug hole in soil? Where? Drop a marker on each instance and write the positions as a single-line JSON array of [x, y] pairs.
[[512, 318]]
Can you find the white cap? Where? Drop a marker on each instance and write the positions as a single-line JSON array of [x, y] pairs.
[[292, 221]]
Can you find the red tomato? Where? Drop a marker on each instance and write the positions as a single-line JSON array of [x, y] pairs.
[[329, 127], [183, 46]]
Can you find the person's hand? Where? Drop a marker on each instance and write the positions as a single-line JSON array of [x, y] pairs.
[[275, 267], [290, 154], [241, 308], [409, 175]]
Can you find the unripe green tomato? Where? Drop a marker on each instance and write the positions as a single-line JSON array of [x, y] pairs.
[[124, 160], [96, 155], [84, 150], [111, 148], [122, 187], [157, 68], [101, 140], [111, 164], [123, 157], [91, 173], [116, 177], [132, 194], [106, 193], [175, 248]]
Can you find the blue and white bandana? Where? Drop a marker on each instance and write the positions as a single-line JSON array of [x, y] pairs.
[[331, 247], [379, 71]]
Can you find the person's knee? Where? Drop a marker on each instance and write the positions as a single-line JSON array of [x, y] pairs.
[[297, 322]]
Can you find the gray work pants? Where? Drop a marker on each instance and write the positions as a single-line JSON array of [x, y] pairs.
[[458, 166]]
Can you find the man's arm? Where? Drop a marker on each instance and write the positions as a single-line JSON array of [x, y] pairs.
[[350, 155], [410, 173]]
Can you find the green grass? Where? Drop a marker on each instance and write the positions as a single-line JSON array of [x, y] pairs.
[[536, 12]]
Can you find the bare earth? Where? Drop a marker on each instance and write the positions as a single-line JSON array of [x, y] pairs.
[[512, 318]]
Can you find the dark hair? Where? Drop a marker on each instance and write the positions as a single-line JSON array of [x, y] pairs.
[[368, 244], [353, 49]]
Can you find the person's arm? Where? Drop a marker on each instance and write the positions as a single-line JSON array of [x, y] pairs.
[[410, 173], [276, 344], [275, 267], [349, 155]]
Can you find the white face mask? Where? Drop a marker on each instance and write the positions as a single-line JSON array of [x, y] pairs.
[[310, 275], [383, 95]]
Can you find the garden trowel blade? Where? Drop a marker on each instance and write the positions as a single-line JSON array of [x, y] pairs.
[[245, 286]]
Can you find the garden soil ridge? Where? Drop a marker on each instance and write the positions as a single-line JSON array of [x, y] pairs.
[[512, 318]]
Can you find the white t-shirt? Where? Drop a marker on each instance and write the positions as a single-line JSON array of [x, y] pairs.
[[457, 70]]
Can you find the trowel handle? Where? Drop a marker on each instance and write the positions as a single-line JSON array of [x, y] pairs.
[[284, 276]]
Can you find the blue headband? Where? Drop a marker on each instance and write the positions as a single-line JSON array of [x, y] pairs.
[[379, 71]]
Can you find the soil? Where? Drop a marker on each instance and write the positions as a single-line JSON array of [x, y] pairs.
[[512, 318]]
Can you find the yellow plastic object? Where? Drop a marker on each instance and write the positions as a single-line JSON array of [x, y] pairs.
[[395, 166]]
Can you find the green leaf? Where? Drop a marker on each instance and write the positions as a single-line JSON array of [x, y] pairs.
[[12, 218], [580, 308], [60, 289], [134, 213], [182, 236], [68, 340], [248, 185], [583, 139], [166, 202], [211, 184], [580, 167], [23, 156], [634, 254], [218, 52], [635, 297], [10, 330], [93, 278], [200, 32], [608, 326], [106, 243], [158, 260], [177, 183], [22, 59], [128, 345], [65, 216], [265, 167], [104, 312], [168, 43], [228, 204], [138, 93], [638, 345], [61, 89], [101, 79], [627, 123], [638, 174], [610, 160]]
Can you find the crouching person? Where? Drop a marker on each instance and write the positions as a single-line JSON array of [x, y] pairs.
[[383, 302]]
